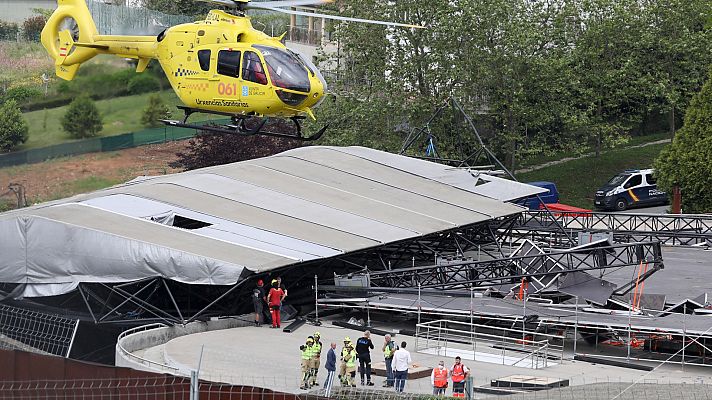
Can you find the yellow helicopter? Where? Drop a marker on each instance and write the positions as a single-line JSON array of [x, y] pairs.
[[220, 65]]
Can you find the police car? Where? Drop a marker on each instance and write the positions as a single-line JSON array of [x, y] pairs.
[[632, 188]]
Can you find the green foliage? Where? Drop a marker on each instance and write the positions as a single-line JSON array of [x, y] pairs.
[[8, 30], [99, 81], [82, 118], [13, 127], [155, 111], [541, 77], [22, 94], [577, 180], [43, 12], [687, 162], [184, 7], [32, 27], [142, 83]]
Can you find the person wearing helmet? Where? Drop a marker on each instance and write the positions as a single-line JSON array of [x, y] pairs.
[[307, 355], [274, 299], [350, 361], [316, 359], [342, 366]]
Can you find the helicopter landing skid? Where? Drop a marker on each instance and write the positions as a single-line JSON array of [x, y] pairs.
[[239, 126]]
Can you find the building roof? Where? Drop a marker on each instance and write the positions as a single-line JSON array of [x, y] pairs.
[[214, 225]]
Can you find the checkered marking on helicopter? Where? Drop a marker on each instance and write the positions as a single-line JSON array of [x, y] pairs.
[[184, 72], [201, 87]]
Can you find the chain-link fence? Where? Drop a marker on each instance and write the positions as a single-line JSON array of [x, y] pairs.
[[167, 387], [121, 20]]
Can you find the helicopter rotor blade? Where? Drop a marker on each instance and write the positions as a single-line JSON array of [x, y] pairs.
[[335, 17], [287, 3]]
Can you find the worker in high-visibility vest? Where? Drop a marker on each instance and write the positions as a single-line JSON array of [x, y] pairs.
[[438, 378], [388, 349], [349, 357], [307, 355], [459, 373], [316, 359], [342, 358]]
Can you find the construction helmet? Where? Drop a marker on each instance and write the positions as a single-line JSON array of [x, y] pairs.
[[347, 339], [274, 282], [317, 335], [310, 340]]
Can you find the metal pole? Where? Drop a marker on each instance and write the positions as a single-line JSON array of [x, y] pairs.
[[316, 298], [418, 303], [472, 325], [576, 326], [368, 315], [194, 385], [525, 314], [630, 311], [684, 333]]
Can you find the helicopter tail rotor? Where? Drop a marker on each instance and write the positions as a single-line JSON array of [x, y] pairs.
[[70, 24]]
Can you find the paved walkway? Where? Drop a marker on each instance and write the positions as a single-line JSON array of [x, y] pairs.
[[269, 358]]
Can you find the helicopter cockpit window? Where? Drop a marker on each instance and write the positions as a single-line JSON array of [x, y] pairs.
[[285, 69], [252, 69], [229, 63], [204, 59]]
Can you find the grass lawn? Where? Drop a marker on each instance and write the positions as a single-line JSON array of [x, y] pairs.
[[120, 115], [632, 141], [578, 180]]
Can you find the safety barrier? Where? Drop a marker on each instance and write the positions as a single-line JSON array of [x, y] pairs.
[[506, 346]]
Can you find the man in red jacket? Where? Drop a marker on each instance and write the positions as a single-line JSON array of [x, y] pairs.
[[274, 299]]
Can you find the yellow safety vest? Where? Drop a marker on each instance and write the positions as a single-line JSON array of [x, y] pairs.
[[317, 349], [306, 353], [350, 358], [388, 352]]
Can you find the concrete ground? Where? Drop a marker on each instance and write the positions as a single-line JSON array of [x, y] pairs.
[[270, 358]]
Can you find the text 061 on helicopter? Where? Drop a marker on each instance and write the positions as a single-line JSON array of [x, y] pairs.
[[220, 65]]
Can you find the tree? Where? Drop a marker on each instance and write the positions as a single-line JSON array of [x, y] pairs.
[[13, 127], [687, 162], [82, 118], [208, 149], [154, 112], [178, 7]]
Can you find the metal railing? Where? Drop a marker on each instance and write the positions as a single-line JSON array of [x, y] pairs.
[[508, 346], [143, 361], [675, 230], [36, 331]]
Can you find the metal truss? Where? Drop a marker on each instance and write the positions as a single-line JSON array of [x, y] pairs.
[[485, 237], [675, 230], [510, 270], [155, 299]]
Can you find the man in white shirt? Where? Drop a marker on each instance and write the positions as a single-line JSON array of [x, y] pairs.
[[401, 361]]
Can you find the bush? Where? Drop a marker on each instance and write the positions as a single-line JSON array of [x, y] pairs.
[[13, 127], [22, 94], [8, 30], [82, 118], [32, 27], [143, 83], [155, 111]]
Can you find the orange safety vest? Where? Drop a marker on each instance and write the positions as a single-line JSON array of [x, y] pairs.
[[458, 373], [440, 378]]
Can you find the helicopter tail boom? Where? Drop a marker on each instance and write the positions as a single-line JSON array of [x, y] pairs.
[[70, 37]]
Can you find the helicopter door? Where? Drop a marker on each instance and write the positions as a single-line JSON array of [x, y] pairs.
[[229, 65], [254, 85]]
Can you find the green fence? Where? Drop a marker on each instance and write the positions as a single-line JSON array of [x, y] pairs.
[[94, 145]]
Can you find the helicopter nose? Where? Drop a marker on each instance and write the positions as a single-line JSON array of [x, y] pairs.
[[319, 90]]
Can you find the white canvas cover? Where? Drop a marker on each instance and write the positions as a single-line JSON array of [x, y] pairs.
[[243, 218]]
